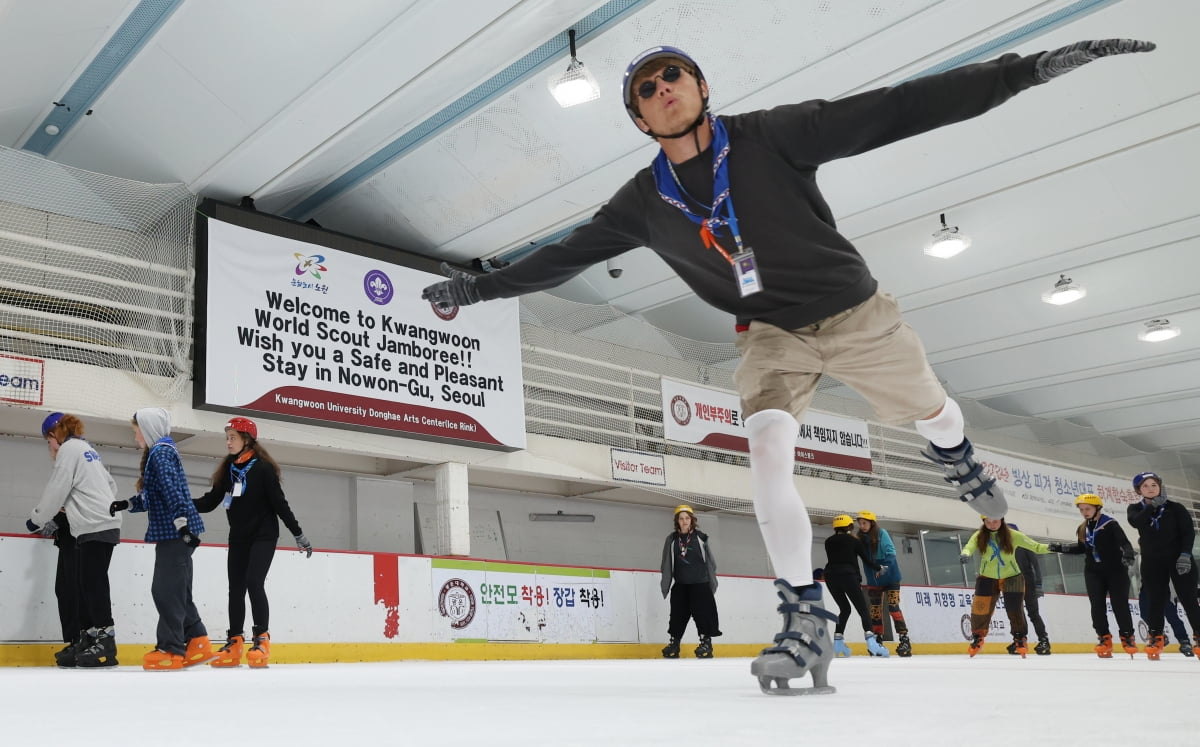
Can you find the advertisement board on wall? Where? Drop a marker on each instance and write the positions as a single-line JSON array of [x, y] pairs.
[[477, 600], [307, 331], [711, 417], [1046, 489]]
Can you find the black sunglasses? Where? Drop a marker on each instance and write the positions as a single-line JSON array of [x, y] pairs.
[[669, 74]]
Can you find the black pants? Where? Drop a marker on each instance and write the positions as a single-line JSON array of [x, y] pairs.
[[178, 619], [248, 563], [91, 573], [693, 601], [66, 589], [1170, 615], [846, 591], [1112, 583], [1035, 614], [1158, 575]]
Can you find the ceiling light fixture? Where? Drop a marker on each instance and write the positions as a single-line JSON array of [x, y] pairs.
[[1158, 330], [1064, 292], [947, 241], [575, 86]]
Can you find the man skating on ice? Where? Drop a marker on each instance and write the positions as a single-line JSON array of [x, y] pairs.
[[731, 204]]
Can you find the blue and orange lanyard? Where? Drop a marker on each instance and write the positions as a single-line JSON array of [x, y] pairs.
[[721, 214]]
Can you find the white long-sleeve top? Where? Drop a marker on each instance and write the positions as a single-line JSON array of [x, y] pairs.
[[81, 485]]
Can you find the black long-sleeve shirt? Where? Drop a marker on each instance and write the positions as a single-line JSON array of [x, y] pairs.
[[1162, 534], [809, 271], [255, 514], [843, 551], [1109, 542]]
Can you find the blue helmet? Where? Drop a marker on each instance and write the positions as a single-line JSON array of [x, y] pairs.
[[50, 421], [1141, 477], [646, 57]]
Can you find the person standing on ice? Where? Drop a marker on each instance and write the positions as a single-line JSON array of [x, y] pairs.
[[731, 204]]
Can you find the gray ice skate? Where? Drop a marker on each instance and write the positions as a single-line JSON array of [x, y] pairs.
[[804, 647], [976, 489]]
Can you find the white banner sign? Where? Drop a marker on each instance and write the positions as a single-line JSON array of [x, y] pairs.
[[474, 600], [637, 466], [1043, 489], [303, 330], [21, 379], [709, 417]]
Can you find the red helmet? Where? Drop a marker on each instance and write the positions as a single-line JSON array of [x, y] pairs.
[[243, 425]]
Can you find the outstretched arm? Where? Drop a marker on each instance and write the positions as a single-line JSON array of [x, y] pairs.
[[618, 227], [814, 132]]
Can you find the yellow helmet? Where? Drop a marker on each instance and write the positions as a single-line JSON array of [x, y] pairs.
[[684, 507], [1091, 499], [868, 515], [842, 520]]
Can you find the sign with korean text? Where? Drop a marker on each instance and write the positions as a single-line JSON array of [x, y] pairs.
[[478, 600], [308, 331], [1044, 489], [22, 379], [710, 417]]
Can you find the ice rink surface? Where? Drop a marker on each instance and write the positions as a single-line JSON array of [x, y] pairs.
[[925, 700]]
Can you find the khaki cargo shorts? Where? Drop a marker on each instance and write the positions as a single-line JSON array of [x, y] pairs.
[[869, 348]]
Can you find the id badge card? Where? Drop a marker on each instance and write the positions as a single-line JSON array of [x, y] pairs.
[[745, 270], [238, 487]]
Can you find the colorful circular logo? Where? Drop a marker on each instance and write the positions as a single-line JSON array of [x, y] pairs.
[[378, 287], [681, 410], [456, 601]]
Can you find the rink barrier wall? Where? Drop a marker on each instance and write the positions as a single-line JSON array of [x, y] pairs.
[[340, 606]]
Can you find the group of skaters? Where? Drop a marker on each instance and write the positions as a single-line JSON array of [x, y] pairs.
[[1008, 569], [80, 510]]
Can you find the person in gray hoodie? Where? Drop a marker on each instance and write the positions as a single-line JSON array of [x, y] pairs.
[[174, 527], [688, 561], [81, 487]]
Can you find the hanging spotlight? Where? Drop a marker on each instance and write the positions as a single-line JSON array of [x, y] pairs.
[[1064, 292], [947, 241], [575, 86], [1158, 330]]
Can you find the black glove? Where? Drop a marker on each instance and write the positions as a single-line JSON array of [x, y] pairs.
[[1052, 64], [1055, 546], [116, 506], [964, 559], [1158, 500], [188, 538], [33, 528], [459, 290], [1183, 564], [304, 545], [881, 571], [1127, 558]]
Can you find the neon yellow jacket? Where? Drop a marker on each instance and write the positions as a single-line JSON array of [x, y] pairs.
[[996, 563]]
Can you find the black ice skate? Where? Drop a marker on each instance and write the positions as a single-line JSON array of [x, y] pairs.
[[704, 650], [65, 658], [804, 647], [1043, 647], [904, 650], [671, 650], [976, 489], [102, 652]]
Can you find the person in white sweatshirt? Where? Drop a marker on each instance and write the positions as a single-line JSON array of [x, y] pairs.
[[82, 488]]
